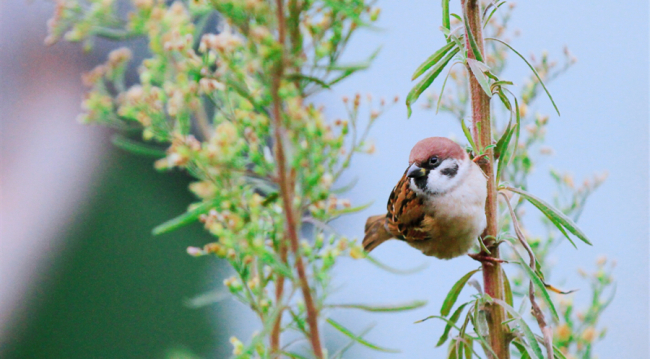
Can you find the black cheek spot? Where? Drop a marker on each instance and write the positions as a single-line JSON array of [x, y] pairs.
[[451, 171]]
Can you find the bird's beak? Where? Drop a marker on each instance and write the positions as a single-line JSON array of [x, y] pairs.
[[416, 172]]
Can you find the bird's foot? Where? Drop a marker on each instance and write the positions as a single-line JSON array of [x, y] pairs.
[[480, 159], [483, 258]]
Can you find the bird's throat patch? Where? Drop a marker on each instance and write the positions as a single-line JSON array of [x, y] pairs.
[[421, 182]]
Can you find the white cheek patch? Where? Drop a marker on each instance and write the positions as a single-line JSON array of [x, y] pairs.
[[447, 176]]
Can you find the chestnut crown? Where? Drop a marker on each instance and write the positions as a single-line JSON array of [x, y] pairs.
[[440, 147]]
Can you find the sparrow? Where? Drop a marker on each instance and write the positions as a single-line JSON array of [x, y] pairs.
[[438, 206]]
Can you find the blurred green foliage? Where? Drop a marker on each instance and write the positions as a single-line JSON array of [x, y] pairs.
[[115, 291]]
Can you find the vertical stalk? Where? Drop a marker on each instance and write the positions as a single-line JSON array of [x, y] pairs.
[[482, 133], [286, 192], [279, 292]]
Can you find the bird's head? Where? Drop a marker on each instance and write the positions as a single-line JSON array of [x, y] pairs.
[[437, 165]]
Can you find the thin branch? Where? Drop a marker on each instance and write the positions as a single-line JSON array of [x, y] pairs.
[[286, 192]]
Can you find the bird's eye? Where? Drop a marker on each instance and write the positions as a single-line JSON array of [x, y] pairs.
[[433, 160]]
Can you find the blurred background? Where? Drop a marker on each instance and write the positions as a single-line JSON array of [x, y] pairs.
[[82, 277]]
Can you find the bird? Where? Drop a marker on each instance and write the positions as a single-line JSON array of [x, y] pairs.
[[438, 205]]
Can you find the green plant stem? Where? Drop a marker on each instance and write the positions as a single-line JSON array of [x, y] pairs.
[[286, 192], [482, 133]]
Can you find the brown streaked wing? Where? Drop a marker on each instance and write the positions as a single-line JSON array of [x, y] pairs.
[[405, 213]]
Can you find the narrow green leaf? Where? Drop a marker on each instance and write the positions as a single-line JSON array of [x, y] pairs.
[[477, 70], [417, 90], [346, 187], [353, 66], [444, 83], [452, 296], [472, 40], [482, 328], [452, 320], [245, 93], [468, 135], [523, 351], [457, 17], [451, 351], [505, 101], [114, 34], [438, 317], [504, 141], [349, 69], [504, 155], [532, 68], [487, 72], [293, 355], [339, 353], [343, 211], [300, 323], [184, 219], [484, 344], [459, 349], [557, 353], [208, 298], [518, 122], [470, 318], [459, 42], [530, 336], [446, 23], [487, 19], [469, 348], [270, 198], [507, 289], [507, 157], [136, 147], [555, 215], [276, 263], [345, 74], [358, 339], [538, 283], [488, 7], [395, 270], [432, 60], [498, 82], [559, 226], [383, 308], [481, 242], [302, 77]]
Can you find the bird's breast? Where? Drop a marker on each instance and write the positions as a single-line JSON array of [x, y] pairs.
[[457, 217]]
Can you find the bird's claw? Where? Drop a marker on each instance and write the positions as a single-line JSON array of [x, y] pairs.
[[483, 258], [480, 159]]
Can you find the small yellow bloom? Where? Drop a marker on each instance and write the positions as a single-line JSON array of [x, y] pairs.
[[357, 253], [589, 334], [523, 109], [563, 332]]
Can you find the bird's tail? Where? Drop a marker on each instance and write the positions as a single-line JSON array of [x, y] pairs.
[[376, 232]]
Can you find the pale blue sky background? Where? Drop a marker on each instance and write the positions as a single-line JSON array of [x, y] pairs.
[[604, 126]]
